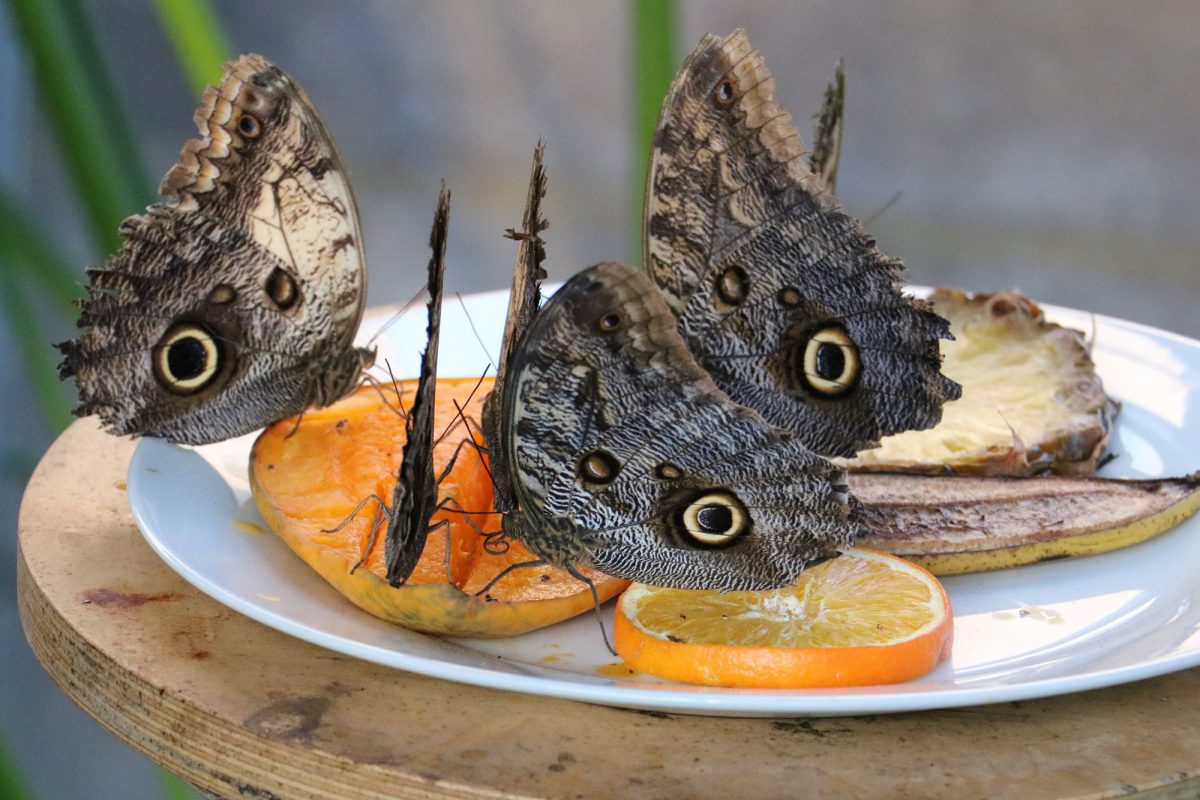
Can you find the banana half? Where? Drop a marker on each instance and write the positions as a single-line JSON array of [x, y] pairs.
[[957, 524]]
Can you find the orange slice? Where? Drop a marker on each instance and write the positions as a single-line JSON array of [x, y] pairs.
[[861, 619], [308, 478]]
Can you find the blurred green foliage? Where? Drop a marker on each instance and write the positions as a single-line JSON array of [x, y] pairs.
[[102, 157], [199, 43], [654, 66]]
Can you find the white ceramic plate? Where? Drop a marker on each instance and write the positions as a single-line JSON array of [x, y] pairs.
[[1047, 629]]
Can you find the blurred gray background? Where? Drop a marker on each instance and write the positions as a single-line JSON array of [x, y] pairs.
[[1049, 147]]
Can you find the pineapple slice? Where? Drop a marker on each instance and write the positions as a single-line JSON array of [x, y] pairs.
[[1031, 401]]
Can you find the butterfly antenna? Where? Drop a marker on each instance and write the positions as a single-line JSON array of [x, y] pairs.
[[876, 215], [404, 309], [475, 331], [481, 451], [462, 417], [579, 576]]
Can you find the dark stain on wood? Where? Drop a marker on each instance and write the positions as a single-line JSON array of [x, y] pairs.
[[564, 760], [292, 720], [646, 712], [808, 727], [112, 598]]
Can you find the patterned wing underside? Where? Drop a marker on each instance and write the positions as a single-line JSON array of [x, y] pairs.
[[523, 301], [637, 395], [415, 496], [259, 246], [286, 187], [730, 193]]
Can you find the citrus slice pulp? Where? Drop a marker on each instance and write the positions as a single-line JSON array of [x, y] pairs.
[[864, 618]]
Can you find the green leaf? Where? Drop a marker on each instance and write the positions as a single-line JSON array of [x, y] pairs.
[[40, 363], [66, 70], [23, 247], [11, 787], [175, 788], [199, 44], [654, 65], [118, 130]]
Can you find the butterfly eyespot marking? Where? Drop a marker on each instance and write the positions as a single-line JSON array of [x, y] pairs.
[[186, 359], [599, 467], [222, 294], [666, 471], [789, 297], [733, 285], [282, 289], [249, 126], [714, 519], [830, 363], [610, 322], [724, 93]]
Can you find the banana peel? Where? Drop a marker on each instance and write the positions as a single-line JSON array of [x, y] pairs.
[[958, 524]]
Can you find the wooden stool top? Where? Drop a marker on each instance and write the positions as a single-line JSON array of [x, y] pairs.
[[241, 710]]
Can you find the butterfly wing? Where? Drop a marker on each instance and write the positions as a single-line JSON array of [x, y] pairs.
[[235, 303], [523, 301], [779, 292], [625, 456], [415, 496], [827, 141], [266, 165]]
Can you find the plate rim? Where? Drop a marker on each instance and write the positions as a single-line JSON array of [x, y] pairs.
[[678, 698]]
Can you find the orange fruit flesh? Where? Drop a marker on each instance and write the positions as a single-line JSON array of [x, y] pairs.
[[862, 619], [307, 480]]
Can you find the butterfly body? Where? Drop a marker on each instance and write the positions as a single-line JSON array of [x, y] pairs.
[[234, 303]]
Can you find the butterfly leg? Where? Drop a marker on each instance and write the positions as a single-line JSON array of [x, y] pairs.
[[354, 513], [489, 546], [504, 574], [579, 576], [296, 427], [380, 513], [480, 450], [495, 543], [377, 385]]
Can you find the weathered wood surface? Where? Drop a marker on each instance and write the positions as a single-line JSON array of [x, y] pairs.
[[244, 711]]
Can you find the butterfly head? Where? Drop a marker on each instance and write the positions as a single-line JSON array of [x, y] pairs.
[[343, 375]]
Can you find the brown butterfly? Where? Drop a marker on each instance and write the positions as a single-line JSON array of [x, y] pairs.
[[779, 292], [667, 436], [611, 448], [415, 496], [235, 302]]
